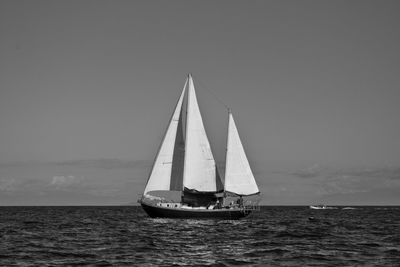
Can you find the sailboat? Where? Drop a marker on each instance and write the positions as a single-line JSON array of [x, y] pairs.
[[184, 181]]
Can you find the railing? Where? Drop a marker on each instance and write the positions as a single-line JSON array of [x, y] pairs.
[[249, 208], [155, 200]]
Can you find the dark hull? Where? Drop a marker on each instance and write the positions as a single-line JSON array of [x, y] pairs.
[[224, 214]]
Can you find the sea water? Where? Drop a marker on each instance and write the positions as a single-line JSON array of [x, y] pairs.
[[126, 236]]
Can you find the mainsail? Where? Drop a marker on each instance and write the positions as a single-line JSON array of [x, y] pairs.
[[200, 171], [239, 178], [163, 175]]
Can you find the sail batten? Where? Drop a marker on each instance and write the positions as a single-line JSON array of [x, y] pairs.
[[161, 173], [239, 178], [200, 172]]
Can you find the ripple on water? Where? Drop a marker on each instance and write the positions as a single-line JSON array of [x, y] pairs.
[[105, 236]]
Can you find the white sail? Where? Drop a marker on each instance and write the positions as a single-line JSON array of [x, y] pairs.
[[199, 165], [239, 178], [160, 176]]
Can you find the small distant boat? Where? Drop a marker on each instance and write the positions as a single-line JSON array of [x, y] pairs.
[[322, 207], [184, 181], [318, 207], [348, 208]]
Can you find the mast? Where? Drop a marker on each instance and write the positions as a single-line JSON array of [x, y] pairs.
[[226, 149]]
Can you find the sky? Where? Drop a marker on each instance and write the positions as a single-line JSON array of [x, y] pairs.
[[87, 89]]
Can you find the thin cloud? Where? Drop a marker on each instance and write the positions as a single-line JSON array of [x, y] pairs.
[[328, 182], [18, 185], [310, 172], [362, 181], [8, 185], [385, 172], [60, 182], [106, 163]]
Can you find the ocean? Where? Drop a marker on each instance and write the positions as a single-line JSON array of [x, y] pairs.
[[126, 236]]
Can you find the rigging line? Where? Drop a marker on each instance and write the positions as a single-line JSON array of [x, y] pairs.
[[211, 92]]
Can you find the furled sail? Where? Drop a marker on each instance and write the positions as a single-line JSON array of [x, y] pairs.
[[200, 171], [239, 178], [163, 176]]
